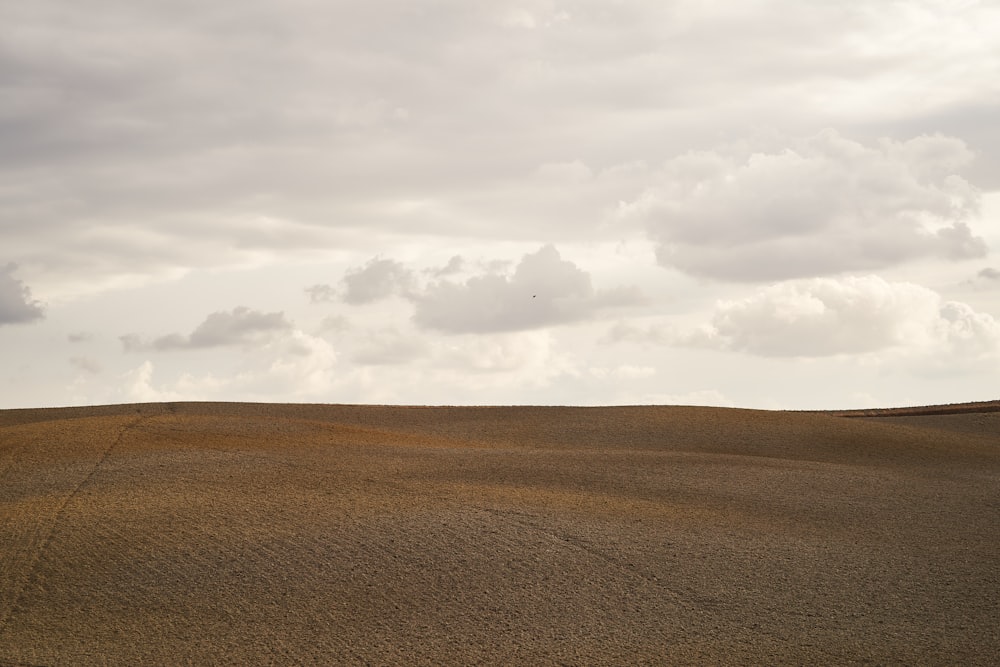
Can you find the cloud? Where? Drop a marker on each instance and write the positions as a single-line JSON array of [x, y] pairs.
[[824, 317], [237, 327], [321, 293], [525, 358], [291, 365], [16, 304], [138, 386], [989, 273], [454, 265], [159, 118], [987, 278], [376, 280], [544, 290], [822, 206]]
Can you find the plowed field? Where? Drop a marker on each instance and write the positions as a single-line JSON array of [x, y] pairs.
[[212, 534]]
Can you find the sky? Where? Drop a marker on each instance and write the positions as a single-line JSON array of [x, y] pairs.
[[766, 204]]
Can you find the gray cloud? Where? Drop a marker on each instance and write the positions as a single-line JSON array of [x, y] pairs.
[[543, 290], [376, 280], [321, 293], [987, 278], [16, 304], [825, 206], [237, 327]]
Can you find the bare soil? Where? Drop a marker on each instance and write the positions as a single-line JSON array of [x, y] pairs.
[[260, 534]]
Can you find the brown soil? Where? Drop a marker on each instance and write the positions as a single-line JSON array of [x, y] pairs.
[[210, 533]]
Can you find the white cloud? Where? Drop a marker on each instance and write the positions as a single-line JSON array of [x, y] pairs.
[[301, 366], [138, 386], [16, 304], [544, 290], [826, 316], [838, 316], [825, 205], [528, 353], [290, 366]]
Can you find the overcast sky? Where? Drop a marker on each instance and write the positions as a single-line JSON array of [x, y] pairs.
[[764, 203]]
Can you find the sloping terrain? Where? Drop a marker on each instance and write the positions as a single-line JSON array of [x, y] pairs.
[[200, 533]]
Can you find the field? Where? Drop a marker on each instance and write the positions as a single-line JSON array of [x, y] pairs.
[[258, 534]]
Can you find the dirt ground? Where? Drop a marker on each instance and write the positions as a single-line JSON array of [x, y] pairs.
[[259, 534]]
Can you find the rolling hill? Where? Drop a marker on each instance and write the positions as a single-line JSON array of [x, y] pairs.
[[258, 534]]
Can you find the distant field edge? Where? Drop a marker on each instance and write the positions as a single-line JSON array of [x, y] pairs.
[[918, 411], [174, 406]]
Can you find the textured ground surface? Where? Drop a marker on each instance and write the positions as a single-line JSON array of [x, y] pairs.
[[266, 534]]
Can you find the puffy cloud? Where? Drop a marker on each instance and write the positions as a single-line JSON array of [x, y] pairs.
[[138, 386], [823, 316], [454, 265], [376, 280], [823, 206], [237, 327], [16, 304], [300, 366], [544, 290], [968, 333], [522, 359], [826, 316]]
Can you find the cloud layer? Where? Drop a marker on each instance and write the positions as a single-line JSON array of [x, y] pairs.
[[469, 192]]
